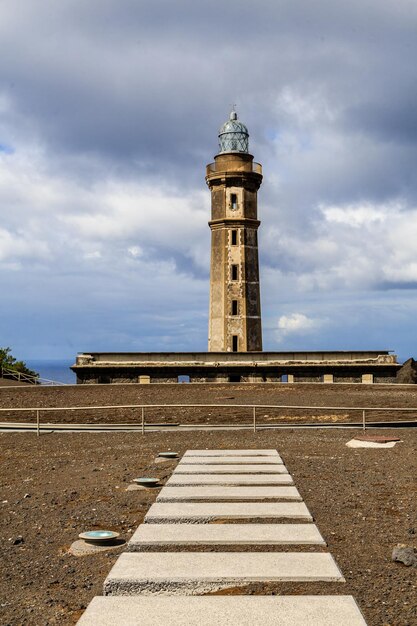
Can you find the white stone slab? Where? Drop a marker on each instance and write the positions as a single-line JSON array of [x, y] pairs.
[[207, 511], [355, 443], [255, 452], [230, 479], [224, 610], [230, 469], [224, 460], [201, 572], [151, 535], [209, 492]]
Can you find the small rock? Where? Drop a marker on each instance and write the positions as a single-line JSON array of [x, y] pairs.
[[19, 539], [27, 495], [405, 554]]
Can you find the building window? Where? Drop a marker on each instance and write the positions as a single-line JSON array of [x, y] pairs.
[[234, 343], [234, 274], [234, 307], [234, 237], [233, 201]]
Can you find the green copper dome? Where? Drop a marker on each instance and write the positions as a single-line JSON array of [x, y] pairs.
[[233, 136]]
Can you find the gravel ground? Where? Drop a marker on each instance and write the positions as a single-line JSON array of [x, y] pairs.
[[55, 486], [320, 395]]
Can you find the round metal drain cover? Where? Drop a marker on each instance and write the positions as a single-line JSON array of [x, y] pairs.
[[98, 536], [146, 482]]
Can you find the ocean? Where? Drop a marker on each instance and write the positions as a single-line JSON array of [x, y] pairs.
[[56, 370]]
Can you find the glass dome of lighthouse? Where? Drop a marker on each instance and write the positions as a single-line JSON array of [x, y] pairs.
[[233, 135]]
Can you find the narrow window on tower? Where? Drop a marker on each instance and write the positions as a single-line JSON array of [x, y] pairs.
[[233, 201], [234, 272], [234, 343], [234, 307], [234, 237]]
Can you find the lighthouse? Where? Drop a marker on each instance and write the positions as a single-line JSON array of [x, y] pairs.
[[235, 307]]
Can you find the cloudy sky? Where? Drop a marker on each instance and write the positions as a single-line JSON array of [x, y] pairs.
[[109, 112]]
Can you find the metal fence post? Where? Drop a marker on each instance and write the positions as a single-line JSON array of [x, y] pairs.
[[143, 420], [254, 419], [363, 420], [37, 423]]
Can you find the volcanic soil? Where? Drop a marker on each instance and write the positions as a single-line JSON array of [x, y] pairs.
[[60, 484], [267, 394]]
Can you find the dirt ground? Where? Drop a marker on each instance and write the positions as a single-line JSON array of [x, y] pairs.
[[318, 395], [58, 485]]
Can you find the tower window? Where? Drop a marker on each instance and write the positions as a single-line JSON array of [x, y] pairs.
[[234, 273], [234, 343], [233, 201], [234, 237], [234, 307]]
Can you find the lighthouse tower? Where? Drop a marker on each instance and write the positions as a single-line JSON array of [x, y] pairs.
[[235, 307]]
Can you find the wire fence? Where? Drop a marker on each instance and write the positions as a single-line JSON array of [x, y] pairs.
[[245, 415]]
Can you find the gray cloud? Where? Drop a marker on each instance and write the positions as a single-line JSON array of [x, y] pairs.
[[109, 112]]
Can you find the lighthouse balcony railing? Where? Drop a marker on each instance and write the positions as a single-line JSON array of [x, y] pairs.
[[245, 167]]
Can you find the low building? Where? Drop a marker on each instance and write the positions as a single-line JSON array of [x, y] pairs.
[[379, 366]]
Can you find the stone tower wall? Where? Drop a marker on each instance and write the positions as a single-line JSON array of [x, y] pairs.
[[235, 310]]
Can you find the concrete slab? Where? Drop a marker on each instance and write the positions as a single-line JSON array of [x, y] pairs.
[[209, 492], [230, 469], [83, 548], [230, 479], [228, 611], [194, 573], [255, 452], [152, 535], [354, 443], [204, 512], [223, 460]]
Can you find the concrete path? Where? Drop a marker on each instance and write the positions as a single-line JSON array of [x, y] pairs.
[[184, 468], [204, 512], [153, 535], [229, 479], [235, 485], [230, 611], [192, 573], [229, 494]]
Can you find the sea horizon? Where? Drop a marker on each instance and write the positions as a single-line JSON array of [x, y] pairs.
[[57, 370]]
